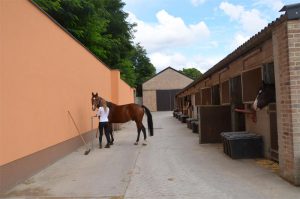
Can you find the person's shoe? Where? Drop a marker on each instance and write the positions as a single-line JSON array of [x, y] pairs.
[[107, 146], [100, 146]]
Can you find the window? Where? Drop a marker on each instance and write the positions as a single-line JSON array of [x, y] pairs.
[[198, 98], [206, 96], [216, 95], [252, 81], [268, 73], [225, 92], [236, 90]]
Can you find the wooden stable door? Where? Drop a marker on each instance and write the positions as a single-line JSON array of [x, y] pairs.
[[165, 99], [213, 121]]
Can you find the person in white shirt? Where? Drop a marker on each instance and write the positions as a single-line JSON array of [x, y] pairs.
[[102, 114]]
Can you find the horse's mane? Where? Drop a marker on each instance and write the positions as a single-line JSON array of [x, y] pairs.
[[110, 104]]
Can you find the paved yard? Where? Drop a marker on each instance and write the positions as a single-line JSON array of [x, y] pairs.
[[173, 165]]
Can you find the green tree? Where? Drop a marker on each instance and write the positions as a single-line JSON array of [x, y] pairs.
[[142, 67], [120, 50], [101, 26], [191, 72], [47, 5], [127, 72], [84, 19]]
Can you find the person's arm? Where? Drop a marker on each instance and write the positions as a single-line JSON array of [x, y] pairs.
[[98, 113]]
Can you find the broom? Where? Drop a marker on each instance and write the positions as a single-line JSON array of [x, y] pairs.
[[87, 148]]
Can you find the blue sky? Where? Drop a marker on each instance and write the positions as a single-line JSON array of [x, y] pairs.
[[197, 33]]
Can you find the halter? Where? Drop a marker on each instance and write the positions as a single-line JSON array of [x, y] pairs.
[[96, 101]]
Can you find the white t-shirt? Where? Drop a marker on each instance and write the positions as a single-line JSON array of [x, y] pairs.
[[103, 114]]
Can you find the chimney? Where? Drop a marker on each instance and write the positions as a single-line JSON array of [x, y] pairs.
[[292, 11]]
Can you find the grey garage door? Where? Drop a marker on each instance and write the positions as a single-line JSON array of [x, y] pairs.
[[165, 99]]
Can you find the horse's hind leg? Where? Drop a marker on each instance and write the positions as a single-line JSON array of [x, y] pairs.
[[138, 136], [145, 135], [111, 134], [139, 128]]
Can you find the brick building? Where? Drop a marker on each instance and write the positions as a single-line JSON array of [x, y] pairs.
[[159, 91], [272, 56]]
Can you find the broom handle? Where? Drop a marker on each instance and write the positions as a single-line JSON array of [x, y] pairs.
[[77, 129]]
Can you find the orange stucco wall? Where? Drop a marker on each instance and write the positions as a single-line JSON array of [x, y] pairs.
[[123, 97], [44, 73]]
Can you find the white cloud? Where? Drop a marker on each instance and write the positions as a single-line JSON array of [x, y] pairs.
[[197, 2], [233, 11], [276, 5], [251, 21], [178, 61], [239, 39], [168, 32], [162, 60]]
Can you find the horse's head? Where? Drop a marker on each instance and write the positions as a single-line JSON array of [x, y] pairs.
[[95, 101], [266, 95]]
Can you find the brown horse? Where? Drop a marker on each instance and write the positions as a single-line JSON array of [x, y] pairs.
[[125, 113], [265, 95]]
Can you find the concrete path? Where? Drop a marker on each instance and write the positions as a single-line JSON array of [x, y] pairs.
[[172, 165]]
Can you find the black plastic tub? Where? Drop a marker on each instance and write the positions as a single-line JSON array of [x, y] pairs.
[[195, 127], [183, 118], [189, 122], [239, 145], [178, 116], [225, 135]]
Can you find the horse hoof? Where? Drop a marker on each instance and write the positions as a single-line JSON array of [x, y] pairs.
[[136, 143]]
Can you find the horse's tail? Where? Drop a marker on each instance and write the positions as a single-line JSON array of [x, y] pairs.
[[149, 120]]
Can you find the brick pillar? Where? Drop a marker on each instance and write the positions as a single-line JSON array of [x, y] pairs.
[[286, 49]]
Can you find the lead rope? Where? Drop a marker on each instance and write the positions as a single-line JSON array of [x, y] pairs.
[[92, 133]]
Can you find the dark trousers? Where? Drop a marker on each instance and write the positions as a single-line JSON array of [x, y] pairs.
[[104, 125]]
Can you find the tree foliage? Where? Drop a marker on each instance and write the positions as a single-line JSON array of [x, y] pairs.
[[191, 72], [101, 26], [143, 68]]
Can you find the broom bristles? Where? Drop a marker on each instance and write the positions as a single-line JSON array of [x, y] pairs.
[[87, 152]]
